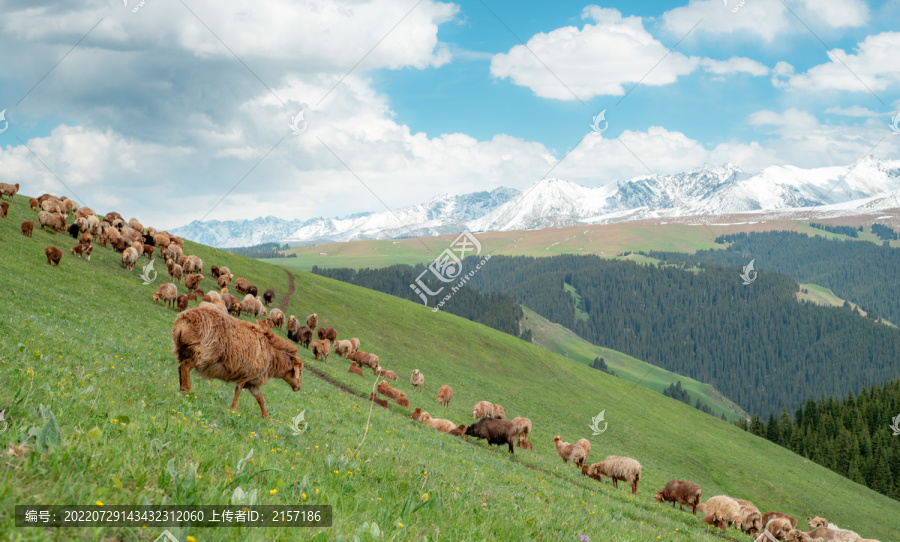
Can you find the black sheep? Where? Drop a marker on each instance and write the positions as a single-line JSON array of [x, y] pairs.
[[253, 290], [494, 431], [148, 240], [74, 231]]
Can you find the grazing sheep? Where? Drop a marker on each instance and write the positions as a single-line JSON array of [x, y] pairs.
[[312, 321], [403, 401], [212, 297], [751, 519], [592, 472], [342, 348], [417, 414], [364, 359], [167, 292], [34, 204], [9, 190], [621, 468], [135, 225], [523, 430], [187, 264], [129, 258], [82, 251], [249, 305], [197, 264], [721, 511], [241, 285], [384, 373], [483, 409], [161, 240], [585, 443], [268, 296], [86, 238], [138, 247], [770, 515], [681, 491], [4, 208], [460, 431], [224, 271], [232, 304], [277, 317], [568, 452], [494, 431], [73, 231], [253, 290], [499, 413], [374, 398], [779, 527], [27, 228], [330, 334], [214, 270], [223, 280], [293, 328], [355, 342], [384, 388], [839, 534], [445, 393], [354, 368], [220, 347], [304, 336], [54, 255], [822, 534], [54, 221], [320, 348], [445, 426], [417, 379], [148, 251], [182, 302]]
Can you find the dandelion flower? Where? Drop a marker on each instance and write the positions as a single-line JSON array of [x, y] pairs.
[[273, 491]]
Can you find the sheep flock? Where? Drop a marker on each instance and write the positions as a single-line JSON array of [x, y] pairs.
[[211, 340]]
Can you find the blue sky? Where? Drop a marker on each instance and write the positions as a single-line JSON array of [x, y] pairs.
[[152, 115]]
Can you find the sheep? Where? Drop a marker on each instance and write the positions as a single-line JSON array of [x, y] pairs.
[[161, 240], [523, 430], [84, 212], [187, 264], [219, 305], [224, 271], [54, 221], [355, 343], [86, 238], [304, 336], [342, 348], [364, 359], [27, 228], [82, 251], [320, 348], [770, 515], [822, 534], [375, 399], [721, 511], [129, 258], [223, 280], [73, 231], [241, 285], [779, 527], [751, 519], [293, 328], [135, 224], [681, 491], [328, 333], [212, 297], [277, 317], [4, 208], [445, 393], [224, 348], [460, 431], [9, 190], [384, 373], [847, 534], [167, 292], [119, 244], [174, 270], [312, 321], [182, 302], [249, 304], [385, 389], [494, 431], [499, 413], [54, 255], [34, 204], [483, 409], [138, 247], [445, 426], [621, 468], [416, 414], [253, 290], [197, 264], [148, 251], [232, 304], [417, 379], [354, 368], [568, 452], [268, 296], [112, 216], [592, 472], [177, 240], [403, 401], [585, 443]]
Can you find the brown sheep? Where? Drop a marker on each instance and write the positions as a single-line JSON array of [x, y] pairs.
[[34, 204], [355, 343], [319, 349], [187, 264], [403, 401], [375, 399], [249, 304], [304, 336], [585, 443], [312, 321], [4, 209], [119, 244], [385, 389], [197, 264], [771, 514], [268, 296], [779, 527], [241, 285], [499, 413], [354, 368], [416, 414], [148, 251], [681, 491], [86, 238], [568, 452], [9, 190], [168, 293], [592, 472], [460, 431], [751, 519], [223, 281], [54, 255], [54, 221], [27, 228], [129, 258], [442, 425], [182, 302], [220, 347], [293, 328], [138, 247], [161, 240], [721, 511], [232, 304], [214, 271], [327, 333], [384, 373], [444, 395], [483, 409], [253, 290], [494, 431], [212, 297], [364, 359], [277, 318], [836, 532], [417, 379], [83, 251], [523, 429]]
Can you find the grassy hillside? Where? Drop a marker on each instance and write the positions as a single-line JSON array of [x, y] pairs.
[[85, 340], [560, 340]]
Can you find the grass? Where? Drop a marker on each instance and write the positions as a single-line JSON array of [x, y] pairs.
[[85, 340], [579, 312], [558, 339]]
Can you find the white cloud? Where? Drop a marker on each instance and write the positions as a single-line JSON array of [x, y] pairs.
[[734, 65], [853, 111], [873, 65], [839, 13], [599, 59]]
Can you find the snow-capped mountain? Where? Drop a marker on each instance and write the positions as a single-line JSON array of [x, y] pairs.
[[444, 214], [708, 190]]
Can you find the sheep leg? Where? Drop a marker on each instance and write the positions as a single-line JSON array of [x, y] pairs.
[[510, 442], [257, 393], [184, 378], [634, 488], [615, 483], [237, 393]]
